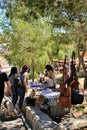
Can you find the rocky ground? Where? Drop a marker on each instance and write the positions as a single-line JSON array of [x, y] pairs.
[[16, 124]]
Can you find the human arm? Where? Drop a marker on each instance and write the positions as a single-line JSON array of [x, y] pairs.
[[25, 81], [8, 88], [7, 83]]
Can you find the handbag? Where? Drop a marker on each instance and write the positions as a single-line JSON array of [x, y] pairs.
[[65, 98], [65, 91], [64, 102], [76, 97]]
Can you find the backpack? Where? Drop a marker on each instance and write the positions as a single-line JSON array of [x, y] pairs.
[[18, 81]]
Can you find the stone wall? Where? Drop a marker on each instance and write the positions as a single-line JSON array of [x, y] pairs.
[[39, 120]]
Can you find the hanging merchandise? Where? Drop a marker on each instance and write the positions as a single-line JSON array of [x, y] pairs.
[[70, 93], [65, 95], [77, 96]]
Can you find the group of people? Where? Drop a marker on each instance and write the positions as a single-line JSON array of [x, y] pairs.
[[17, 92]]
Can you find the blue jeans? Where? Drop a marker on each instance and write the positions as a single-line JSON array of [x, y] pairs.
[[21, 94], [15, 95], [18, 94]]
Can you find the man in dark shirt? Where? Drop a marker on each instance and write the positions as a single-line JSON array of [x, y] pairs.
[[3, 79]]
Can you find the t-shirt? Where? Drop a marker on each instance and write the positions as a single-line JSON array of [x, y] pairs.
[[12, 79], [22, 77], [51, 76], [3, 78]]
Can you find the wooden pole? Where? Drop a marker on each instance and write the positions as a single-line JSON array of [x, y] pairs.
[[32, 70], [69, 61]]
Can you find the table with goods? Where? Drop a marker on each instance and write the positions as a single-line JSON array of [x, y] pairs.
[[47, 99]]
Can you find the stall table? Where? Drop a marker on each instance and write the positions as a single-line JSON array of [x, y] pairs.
[[52, 96]]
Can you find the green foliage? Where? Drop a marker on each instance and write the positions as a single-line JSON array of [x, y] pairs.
[[45, 29], [30, 40], [35, 75]]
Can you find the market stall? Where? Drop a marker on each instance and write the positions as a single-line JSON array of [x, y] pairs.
[[47, 98]]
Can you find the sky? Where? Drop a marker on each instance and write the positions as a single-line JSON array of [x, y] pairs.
[[3, 19]]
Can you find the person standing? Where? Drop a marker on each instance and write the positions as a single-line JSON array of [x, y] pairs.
[[23, 88], [12, 76], [4, 79], [19, 82], [51, 75]]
